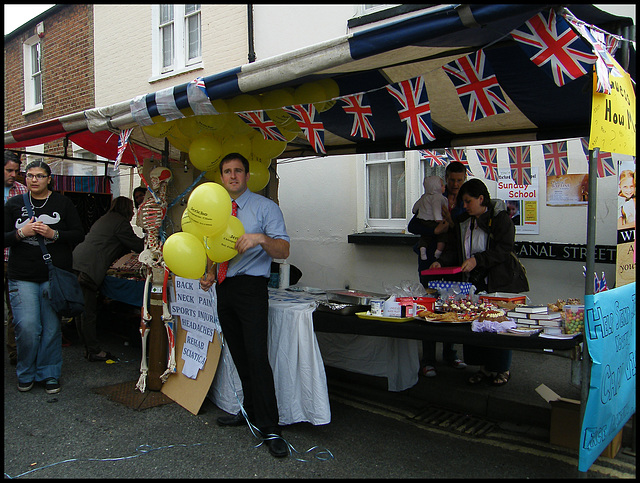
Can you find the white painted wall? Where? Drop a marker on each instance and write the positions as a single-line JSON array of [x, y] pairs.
[[123, 48]]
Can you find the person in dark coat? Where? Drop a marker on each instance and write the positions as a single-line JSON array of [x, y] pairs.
[[483, 245], [110, 237]]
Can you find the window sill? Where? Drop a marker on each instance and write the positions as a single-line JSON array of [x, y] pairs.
[[383, 238], [33, 109], [173, 73]]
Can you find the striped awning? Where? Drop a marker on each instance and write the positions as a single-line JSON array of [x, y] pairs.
[[368, 62]]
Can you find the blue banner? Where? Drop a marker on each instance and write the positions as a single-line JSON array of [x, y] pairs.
[[610, 329]]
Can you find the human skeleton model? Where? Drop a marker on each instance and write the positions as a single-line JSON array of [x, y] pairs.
[[150, 215]]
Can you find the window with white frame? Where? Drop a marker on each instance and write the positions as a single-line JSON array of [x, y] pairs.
[[177, 39], [32, 74], [385, 180]]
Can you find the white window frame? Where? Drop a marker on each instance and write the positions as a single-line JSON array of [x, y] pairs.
[[30, 104], [181, 61], [387, 224]]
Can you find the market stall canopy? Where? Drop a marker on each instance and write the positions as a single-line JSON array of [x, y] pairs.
[[394, 87]]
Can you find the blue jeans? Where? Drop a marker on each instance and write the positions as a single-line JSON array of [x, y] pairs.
[[38, 333]]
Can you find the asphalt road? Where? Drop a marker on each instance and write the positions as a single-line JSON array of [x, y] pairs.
[[79, 433]]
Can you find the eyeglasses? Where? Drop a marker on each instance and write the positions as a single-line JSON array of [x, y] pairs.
[[36, 176]]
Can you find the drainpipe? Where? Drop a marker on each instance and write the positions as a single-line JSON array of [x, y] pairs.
[[252, 51]]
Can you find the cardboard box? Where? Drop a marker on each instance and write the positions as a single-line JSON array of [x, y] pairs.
[[565, 423]]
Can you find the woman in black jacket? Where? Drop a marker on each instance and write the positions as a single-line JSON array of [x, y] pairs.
[[483, 245]]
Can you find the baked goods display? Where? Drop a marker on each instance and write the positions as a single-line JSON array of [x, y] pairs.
[[492, 315], [451, 317]]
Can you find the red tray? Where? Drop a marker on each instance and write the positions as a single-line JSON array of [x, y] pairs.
[[441, 271]]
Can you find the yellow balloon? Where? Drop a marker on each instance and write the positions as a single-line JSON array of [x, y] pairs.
[[189, 127], [189, 227], [265, 161], [209, 208], [214, 175], [310, 93], [258, 176], [332, 90], [205, 152], [222, 247], [185, 255], [266, 148], [178, 140], [214, 123], [272, 103], [158, 130], [237, 144]]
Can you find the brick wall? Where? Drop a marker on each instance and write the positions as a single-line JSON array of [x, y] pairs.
[[67, 69]]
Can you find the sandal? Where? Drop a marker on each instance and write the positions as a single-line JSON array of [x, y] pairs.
[[478, 377], [500, 379]]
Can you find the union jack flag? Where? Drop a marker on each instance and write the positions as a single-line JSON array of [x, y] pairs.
[[520, 162], [556, 158], [459, 155], [434, 158], [123, 140], [200, 83], [489, 162], [477, 86], [260, 121], [305, 116], [550, 43], [414, 110], [603, 284], [361, 110], [606, 165]]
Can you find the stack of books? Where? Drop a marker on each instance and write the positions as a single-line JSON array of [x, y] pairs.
[[537, 317]]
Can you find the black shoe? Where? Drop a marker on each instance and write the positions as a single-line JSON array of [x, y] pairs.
[[25, 386], [277, 446], [51, 386], [235, 420], [91, 357]]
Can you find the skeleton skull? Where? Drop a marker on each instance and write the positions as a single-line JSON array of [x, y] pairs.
[[160, 175]]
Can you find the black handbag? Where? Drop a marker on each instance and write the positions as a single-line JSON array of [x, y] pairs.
[[65, 293]]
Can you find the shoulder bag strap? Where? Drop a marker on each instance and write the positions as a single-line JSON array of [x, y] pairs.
[[45, 253]]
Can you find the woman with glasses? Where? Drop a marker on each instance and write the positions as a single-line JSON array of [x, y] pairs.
[[37, 326]]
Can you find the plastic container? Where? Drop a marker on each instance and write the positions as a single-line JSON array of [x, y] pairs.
[[573, 319]]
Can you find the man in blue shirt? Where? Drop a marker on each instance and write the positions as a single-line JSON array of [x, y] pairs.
[[243, 299]]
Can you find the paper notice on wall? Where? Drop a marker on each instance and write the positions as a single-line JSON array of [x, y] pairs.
[[199, 318], [521, 201]]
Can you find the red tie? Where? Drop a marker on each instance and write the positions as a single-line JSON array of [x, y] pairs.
[[222, 268]]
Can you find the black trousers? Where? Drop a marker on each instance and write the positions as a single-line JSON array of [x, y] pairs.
[[243, 310]]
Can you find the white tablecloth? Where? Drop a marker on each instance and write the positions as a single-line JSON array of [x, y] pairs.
[[298, 369], [297, 356], [396, 359]]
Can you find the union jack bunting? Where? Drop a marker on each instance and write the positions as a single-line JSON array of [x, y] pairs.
[[477, 86], [201, 85], [305, 116], [260, 121], [434, 158], [489, 162], [551, 44], [123, 140], [520, 162], [606, 165], [459, 155], [415, 110], [605, 64], [556, 158], [358, 105]]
